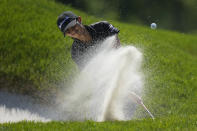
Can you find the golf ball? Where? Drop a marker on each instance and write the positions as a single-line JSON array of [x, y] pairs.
[[153, 26]]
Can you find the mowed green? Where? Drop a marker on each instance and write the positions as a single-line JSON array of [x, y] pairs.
[[34, 51]]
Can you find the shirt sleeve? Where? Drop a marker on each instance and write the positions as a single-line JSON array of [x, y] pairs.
[[78, 52], [75, 53], [106, 28]]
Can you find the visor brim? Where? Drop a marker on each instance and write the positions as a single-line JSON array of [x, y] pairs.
[[71, 24]]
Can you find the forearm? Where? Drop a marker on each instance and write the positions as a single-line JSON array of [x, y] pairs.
[[117, 42]]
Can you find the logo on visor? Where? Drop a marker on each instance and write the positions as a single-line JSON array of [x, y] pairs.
[[63, 21]]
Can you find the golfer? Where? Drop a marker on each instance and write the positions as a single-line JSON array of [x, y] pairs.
[[85, 37]]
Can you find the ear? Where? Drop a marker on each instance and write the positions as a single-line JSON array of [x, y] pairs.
[[79, 19]]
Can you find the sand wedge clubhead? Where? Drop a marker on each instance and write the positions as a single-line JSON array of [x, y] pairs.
[[138, 100]]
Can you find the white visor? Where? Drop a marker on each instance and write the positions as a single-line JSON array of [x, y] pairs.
[[71, 24]]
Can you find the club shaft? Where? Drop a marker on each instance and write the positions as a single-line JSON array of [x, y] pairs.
[[147, 110]]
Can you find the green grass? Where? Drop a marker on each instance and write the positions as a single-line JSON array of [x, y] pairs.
[[35, 56], [170, 123]]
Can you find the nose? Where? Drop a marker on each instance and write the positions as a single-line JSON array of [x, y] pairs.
[[70, 30]]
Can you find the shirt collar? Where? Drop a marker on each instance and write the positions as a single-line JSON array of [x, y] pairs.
[[91, 31]]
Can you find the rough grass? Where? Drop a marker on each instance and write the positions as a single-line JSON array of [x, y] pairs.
[[34, 55]]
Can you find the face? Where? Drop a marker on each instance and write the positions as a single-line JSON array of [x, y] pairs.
[[75, 31]]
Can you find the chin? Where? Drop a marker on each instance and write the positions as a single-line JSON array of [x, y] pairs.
[[74, 37], [71, 36]]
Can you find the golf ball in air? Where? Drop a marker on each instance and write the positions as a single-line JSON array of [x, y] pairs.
[[153, 26]]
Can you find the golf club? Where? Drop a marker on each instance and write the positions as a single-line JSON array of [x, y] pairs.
[[138, 100]]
